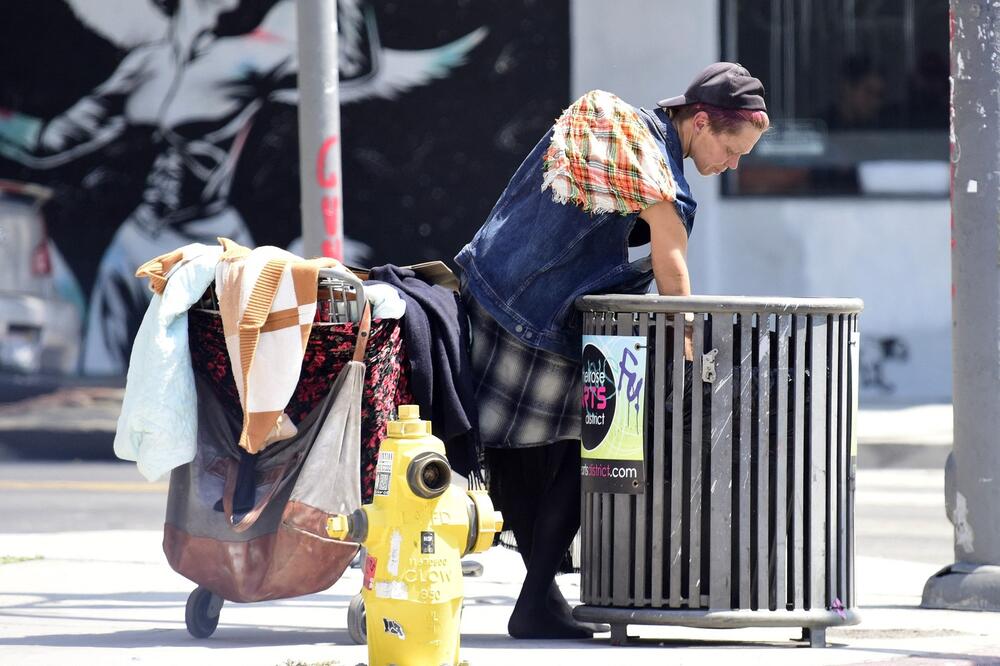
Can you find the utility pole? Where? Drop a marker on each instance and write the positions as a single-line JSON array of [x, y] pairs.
[[972, 475], [319, 130]]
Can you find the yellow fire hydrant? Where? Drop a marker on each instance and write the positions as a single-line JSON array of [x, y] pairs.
[[416, 531]]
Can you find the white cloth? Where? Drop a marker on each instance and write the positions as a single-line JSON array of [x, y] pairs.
[[158, 425]]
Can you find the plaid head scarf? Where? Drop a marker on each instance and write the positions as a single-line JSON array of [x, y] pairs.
[[603, 159]]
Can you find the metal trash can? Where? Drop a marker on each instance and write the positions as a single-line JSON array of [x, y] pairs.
[[740, 513]]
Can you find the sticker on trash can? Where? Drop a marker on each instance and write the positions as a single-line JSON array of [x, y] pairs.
[[614, 377]]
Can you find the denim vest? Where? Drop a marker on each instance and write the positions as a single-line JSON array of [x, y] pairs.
[[534, 257]]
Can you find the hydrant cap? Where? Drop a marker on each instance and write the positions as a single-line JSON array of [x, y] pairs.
[[409, 412], [409, 423]]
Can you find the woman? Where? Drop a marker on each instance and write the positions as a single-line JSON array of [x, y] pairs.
[[606, 179]]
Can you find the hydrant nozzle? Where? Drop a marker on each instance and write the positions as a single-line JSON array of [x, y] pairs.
[[338, 527]]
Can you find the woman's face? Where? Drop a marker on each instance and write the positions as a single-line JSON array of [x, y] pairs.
[[715, 153]]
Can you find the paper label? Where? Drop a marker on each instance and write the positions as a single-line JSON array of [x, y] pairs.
[[383, 473], [394, 542]]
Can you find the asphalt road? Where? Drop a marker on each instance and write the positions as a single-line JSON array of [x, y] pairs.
[[899, 512], [75, 495]]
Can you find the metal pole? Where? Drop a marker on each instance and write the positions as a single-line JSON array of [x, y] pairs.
[[319, 130], [972, 475]]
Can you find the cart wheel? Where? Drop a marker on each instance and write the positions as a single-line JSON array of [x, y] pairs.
[[357, 620], [202, 612], [472, 569]]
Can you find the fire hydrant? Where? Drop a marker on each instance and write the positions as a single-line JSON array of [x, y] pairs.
[[415, 531]]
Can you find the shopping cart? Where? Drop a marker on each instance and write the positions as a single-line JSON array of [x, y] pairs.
[[255, 564]]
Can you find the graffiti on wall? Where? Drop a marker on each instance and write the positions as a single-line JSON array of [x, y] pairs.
[[876, 355], [186, 131]]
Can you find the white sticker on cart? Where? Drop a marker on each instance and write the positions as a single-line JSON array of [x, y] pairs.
[[383, 473], [395, 589], [394, 543]]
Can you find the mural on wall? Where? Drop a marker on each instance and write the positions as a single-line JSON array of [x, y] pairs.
[[174, 121]]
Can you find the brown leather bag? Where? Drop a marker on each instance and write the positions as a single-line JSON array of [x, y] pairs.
[[279, 548]]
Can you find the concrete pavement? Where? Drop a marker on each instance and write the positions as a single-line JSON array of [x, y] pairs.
[[109, 597]]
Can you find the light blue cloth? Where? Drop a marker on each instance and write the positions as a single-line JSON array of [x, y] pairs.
[[385, 301], [158, 425]]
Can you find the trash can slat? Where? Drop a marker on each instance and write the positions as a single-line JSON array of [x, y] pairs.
[[607, 520], [588, 561], [659, 390], [783, 326], [676, 459], [843, 453], [832, 467], [763, 511], [695, 587], [608, 514], [619, 547], [742, 561], [641, 524], [817, 459], [622, 568], [798, 581], [586, 514], [720, 472], [852, 424]]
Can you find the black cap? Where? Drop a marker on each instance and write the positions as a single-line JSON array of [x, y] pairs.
[[725, 84]]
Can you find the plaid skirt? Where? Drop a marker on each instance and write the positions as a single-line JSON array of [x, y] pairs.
[[526, 396]]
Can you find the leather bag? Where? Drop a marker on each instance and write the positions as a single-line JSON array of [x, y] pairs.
[[279, 548]]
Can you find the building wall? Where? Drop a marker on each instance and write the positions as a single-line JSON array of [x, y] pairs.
[[440, 102], [893, 253]]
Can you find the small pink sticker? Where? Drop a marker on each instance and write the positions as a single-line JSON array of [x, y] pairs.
[[370, 563]]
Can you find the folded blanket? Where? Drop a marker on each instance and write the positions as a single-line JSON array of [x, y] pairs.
[[603, 159], [267, 300]]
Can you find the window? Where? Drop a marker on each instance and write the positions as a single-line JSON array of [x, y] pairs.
[[857, 91]]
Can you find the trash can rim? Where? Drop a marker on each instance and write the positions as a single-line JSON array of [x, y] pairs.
[[717, 304]]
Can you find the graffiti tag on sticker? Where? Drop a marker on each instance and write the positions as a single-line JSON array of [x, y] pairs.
[[392, 627], [370, 563]]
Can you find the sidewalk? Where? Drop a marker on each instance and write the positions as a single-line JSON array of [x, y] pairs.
[[914, 436], [107, 598]]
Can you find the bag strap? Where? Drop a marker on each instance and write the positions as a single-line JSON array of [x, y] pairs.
[[285, 473], [361, 344]]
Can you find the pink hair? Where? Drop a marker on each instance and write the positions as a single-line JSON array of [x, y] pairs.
[[725, 120]]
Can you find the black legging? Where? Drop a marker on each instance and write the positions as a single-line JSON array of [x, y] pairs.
[[538, 491]]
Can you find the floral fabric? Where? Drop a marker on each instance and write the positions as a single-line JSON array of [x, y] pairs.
[[329, 348]]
